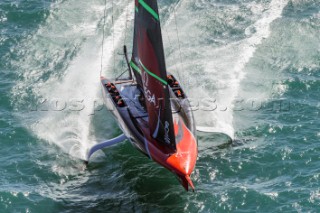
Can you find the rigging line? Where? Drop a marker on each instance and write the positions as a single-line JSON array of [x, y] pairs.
[[125, 36], [114, 54], [103, 33], [126, 25], [175, 21], [171, 46]]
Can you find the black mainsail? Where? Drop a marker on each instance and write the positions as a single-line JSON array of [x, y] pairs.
[[149, 68]]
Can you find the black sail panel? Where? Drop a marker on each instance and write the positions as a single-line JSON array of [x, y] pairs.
[[149, 68]]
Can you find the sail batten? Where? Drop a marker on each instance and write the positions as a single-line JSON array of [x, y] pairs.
[[148, 63], [154, 75], [149, 9], [135, 67]]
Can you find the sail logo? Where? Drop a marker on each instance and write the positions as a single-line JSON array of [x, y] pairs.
[[166, 132], [150, 97]]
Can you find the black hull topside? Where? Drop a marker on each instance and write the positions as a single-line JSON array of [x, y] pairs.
[[125, 100], [128, 91], [132, 114]]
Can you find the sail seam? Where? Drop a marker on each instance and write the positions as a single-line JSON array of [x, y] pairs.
[[154, 75], [149, 9]]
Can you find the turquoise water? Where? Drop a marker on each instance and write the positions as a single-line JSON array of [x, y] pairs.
[[255, 63]]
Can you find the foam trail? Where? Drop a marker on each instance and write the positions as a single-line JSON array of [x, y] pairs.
[[68, 125], [215, 73], [247, 48]]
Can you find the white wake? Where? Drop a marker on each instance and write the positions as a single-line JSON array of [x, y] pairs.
[[65, 118], [213, 74]]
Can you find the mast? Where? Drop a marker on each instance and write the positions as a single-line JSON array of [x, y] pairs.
[[148, 64]]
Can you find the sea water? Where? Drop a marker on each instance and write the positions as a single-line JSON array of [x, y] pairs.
[[251, 70]]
